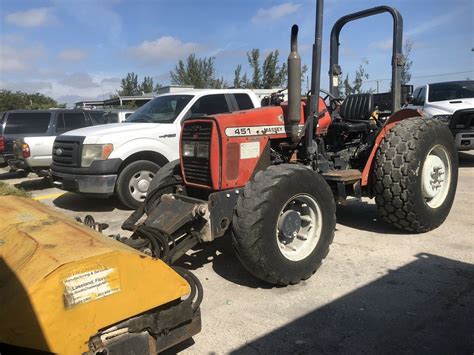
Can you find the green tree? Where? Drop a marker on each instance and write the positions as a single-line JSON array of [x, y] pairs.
[[147, 85], [21, 100], [253, 58], [355, 87], [199, 72], [158, 86], [304, 70], [238, 83], [129, 85], [245, 81], [264, 75], [406, 68], [273, 74]]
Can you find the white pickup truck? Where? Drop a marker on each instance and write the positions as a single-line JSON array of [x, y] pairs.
[[450, 102], [123, 158]]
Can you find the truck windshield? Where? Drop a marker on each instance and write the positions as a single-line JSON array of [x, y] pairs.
[[162, 109], [451, 91], [27, 122]]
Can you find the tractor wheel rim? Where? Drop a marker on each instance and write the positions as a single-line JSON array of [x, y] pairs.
[[139, 184], [297, 239], [436, 176]]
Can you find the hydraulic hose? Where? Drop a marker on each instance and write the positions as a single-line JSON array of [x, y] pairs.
[[153, 196], [197, 291]]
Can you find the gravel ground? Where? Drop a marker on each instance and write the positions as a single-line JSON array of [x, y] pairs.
[[378, 290]]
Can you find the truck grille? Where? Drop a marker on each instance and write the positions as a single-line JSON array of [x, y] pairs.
[[464, 119], [67, 153], [197, 170]]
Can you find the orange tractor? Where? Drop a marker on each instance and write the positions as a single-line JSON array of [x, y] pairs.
[[270, 178]]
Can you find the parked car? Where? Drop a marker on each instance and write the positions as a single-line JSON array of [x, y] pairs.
[[117, 115], [123, 158], [34, 132], [450, 102]]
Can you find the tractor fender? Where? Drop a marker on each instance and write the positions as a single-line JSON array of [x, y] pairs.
[[392, 121]]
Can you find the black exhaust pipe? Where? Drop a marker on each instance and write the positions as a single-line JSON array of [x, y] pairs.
[[294, 86], [313, 99]]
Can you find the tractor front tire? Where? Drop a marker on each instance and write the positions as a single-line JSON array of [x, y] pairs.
[[283, 224], [415, 175]]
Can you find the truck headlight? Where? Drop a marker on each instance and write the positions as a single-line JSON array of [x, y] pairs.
[[442, 118], [91, 152]]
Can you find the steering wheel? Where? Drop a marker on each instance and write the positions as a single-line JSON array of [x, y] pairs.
[[331, 101]]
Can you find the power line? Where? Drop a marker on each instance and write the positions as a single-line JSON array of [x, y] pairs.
[[423, 76]]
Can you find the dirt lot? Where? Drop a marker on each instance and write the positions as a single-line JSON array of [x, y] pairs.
[[378, 290]]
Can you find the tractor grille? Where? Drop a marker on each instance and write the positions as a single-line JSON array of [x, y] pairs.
[[197, 170], [67, 153]]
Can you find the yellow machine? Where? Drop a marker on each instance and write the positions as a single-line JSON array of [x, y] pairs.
[[67, 289]]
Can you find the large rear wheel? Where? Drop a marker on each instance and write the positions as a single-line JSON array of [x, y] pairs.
[[284, 223], [416, 173]]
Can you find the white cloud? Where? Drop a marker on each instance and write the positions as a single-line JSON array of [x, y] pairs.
[[111, 81], [384, 44], [27, 86], [72, 54], [68, 88], [437, 21], [101, 17], [32, 18], [19, 59], [275, 12], [423, 27], [163, 48], [79, 81]]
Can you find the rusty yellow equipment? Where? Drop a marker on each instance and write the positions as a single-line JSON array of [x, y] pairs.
[[67, 289]]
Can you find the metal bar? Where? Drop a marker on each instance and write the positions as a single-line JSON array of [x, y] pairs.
[[294, 85], [397, 55], [313, 109]]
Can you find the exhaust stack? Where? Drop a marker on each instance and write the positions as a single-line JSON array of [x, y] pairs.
[[294, 85]]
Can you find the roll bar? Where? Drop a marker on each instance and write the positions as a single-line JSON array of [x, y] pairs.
[[397, 56]]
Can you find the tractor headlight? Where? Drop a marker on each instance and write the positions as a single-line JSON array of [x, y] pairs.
[[202, 150], [91, 152], [188, 149], [196, 149]]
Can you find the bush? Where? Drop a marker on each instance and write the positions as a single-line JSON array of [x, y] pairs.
[[6, 189]]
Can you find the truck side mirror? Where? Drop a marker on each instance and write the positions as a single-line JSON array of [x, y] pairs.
[[410, 99]]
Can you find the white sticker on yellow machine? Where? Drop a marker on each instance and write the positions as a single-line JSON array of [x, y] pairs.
[[91, 285], [249, 150]]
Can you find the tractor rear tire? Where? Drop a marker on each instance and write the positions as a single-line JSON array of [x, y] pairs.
[[266, 240], [415, 175]]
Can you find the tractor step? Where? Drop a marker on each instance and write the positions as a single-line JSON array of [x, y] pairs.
[[348, 175]]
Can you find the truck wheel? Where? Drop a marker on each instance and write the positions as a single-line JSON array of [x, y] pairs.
[[284, 223], [133, 182], [416, 173], [167, 180]]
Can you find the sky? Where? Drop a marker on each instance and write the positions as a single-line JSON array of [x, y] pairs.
[[74, 50]]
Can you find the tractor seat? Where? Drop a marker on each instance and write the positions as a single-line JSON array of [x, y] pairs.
[[357, 107]]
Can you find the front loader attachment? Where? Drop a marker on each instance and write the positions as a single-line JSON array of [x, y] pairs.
[[65, 288]]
